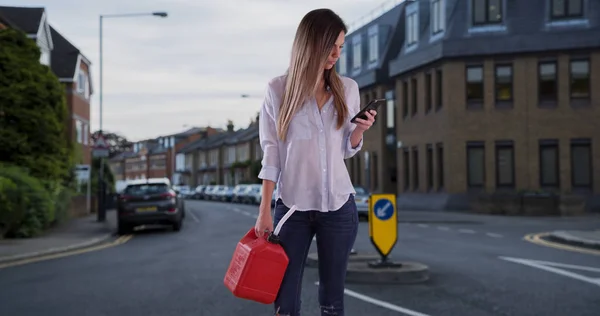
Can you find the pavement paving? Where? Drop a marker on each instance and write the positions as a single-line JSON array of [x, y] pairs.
[[75, 234], [476, 268]]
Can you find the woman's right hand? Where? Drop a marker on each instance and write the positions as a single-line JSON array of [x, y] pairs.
[[264, 221]]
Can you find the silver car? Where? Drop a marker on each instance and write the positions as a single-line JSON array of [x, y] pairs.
[[362, 202]]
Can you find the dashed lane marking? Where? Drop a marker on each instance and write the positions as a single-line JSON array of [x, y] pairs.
[[466, 231]]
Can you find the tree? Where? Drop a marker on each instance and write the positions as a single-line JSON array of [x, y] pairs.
[[117, 143], [33, 111]]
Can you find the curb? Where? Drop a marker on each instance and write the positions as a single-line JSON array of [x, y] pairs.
[[568, 239], [359, 271], [57, 250]]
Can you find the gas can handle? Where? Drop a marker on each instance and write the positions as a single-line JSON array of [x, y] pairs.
[[283, 219]]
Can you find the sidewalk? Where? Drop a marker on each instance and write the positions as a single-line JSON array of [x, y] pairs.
[[75, 234], [585, 239]]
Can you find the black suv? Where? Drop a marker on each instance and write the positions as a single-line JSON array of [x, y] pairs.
[[149, 202]]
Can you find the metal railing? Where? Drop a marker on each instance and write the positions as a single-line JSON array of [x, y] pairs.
[[373, 14]]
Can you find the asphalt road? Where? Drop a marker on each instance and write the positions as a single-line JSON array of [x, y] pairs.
[[479, 266]]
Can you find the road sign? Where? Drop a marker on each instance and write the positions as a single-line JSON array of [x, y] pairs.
[[101, 148], [383, 223]]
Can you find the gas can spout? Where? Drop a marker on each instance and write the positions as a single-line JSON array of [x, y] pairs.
[[274, 239]]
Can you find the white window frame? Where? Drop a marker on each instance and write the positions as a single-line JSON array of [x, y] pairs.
[[373, 44], [342, 62], [357, 53], [438, 16], [79, 131], [412, 28]]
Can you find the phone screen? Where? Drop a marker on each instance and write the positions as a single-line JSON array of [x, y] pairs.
[[373, 105]]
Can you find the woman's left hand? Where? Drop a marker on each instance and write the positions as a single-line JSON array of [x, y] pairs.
[[364, 125]]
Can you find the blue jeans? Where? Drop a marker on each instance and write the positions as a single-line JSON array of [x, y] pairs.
[[335, 232]]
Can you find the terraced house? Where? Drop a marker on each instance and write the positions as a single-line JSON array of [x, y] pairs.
[[227, 158], [155, 158], [493, 97]]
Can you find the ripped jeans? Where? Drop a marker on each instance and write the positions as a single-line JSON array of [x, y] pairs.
[[335, 232]]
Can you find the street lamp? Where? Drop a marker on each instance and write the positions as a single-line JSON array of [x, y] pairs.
[[101, 210]]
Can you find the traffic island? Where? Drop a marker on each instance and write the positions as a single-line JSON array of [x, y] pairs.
[[366, 268]]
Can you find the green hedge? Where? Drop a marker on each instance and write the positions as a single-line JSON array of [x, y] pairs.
[[26, 206]]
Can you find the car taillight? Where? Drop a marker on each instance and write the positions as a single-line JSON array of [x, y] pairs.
[[124, 198], [169, 195]]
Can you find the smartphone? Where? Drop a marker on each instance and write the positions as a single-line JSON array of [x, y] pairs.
[[373, 105]]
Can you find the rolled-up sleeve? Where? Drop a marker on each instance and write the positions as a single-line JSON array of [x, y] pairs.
[[353, 108], [268, 139]]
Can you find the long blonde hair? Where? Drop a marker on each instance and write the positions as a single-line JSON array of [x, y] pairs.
[[315, 38]]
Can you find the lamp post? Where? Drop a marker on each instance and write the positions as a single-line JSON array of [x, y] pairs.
[[101, 196]]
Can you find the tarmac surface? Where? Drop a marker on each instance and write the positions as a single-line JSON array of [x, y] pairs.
[[478, 265]]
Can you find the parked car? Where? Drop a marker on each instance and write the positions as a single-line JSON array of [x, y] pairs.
[[149, 202], [238, 192], [362, 202], [248, 196]]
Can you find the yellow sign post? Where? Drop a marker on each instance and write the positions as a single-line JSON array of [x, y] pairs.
[[383, 227]]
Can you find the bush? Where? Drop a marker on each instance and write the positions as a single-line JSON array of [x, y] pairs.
[[33, 111], [26, 207]]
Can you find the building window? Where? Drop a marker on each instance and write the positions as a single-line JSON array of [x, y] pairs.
[[437, 16], [429, 167], [342, 62], [549, 168], [356, 52], [566, 9], [428, 98], [505, 164], [475, 86], [547, 82], [415, 163], [79, 131], [412, 29], [438, 87], [581, 163], [86, 131], [475, 164], [406, 167], [504, 84], [45, 57], [405, 99], [413, 98], [373, 44], [580, 79], [486, 11], [390, 110], [440, 165]]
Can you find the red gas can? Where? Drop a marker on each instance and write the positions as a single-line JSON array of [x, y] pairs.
[[258, 265]]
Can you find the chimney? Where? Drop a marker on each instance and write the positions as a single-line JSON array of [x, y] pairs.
[[230, 126]]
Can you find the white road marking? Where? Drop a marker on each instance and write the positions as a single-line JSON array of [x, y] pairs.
[[247, 213], [493, 235], [315, 238], [237, 210], [551, 267], [466, 231], [423, 225], [380, 303], [444, 228], [194, 217]]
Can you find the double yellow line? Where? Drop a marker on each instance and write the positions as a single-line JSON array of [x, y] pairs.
[[537, 238], [119, 241]]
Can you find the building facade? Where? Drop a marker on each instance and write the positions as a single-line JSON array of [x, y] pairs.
[[490, 101]]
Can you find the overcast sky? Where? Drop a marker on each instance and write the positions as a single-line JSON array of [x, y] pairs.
[[162, 75]]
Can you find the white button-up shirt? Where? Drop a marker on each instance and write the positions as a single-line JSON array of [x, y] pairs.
[[308, 167]]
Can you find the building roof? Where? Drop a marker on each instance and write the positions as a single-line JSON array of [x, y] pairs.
[[64, 56], [27, 19], [390, 32], [525, 27]]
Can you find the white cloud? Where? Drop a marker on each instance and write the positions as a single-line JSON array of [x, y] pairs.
[[190, 68]]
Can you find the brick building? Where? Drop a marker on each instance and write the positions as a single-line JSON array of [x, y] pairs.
[[155, 158], [488, 97]]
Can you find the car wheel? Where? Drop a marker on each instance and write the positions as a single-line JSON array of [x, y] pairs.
[[123, 229], [177, 226]]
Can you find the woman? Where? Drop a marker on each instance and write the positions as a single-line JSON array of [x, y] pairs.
[[305, 135]]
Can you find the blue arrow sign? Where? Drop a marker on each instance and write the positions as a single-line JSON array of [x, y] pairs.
[[383, 209]]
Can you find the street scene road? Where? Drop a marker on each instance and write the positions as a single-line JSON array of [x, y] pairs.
[[479, 265]]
